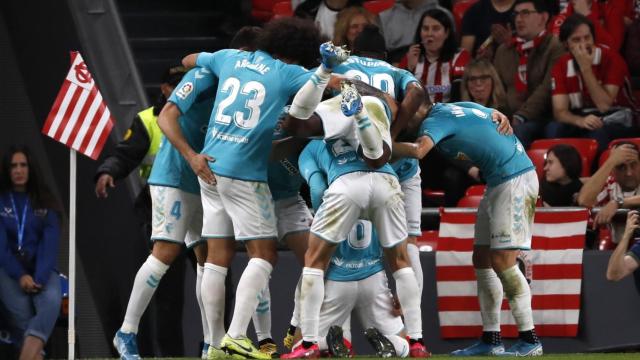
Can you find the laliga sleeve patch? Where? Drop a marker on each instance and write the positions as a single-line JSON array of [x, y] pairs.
[[185, 90]]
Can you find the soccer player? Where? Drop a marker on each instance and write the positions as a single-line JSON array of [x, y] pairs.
[[236, 200], [176, 206], [362, 183], [355, 278], [505, 215]]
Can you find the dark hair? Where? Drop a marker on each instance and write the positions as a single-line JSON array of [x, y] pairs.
[[569, 158], [450, 45], [571, 23], [370, 41], [539, 5], [38, 192], [629, 143], [173, 75], [293, 39], [246, 38]]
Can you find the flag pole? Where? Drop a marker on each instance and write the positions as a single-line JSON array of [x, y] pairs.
[[72, 254]]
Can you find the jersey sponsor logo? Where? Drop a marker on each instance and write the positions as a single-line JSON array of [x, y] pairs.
[[479, 113], [291, 169], [437, 89], [185, 90], [259, 68], [229, 137]]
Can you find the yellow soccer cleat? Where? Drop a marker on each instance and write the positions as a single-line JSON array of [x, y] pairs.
[[267, 346], [241, 347]]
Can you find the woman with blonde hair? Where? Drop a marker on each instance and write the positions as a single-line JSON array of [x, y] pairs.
[[481, 84], [350, 22]]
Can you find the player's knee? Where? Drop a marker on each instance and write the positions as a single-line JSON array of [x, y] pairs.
[[166, 251], [503, 259]]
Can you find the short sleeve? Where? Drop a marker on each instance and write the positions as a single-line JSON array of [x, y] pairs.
[[213, 61], [296, 76], [307, 162], [437, 128], [558, 85], [404, 78], [634, 252]]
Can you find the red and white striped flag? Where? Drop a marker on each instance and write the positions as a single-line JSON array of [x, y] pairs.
[[79, 117], [556, 256]]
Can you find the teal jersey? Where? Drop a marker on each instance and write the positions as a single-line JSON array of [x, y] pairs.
[[284, 178], [465, 131], [377, 73], [194, 97], [405, 168], [248, 102], [360, 255], [335, 158]]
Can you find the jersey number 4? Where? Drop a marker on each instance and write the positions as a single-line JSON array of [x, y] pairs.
[[253, 91]]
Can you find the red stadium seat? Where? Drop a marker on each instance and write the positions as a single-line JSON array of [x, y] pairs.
[[538, 157], [459, 9], [475, 190], [603, 157], [470, 201], [282, 9], [617, 141], [262, 10], [378, 6], [428, 241], [605, 240], [588, 148]]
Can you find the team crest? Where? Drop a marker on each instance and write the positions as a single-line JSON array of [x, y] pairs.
[[185, 90]]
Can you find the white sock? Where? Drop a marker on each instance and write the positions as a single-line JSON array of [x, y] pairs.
[[213, 299], [312, 295], [414, 256], [400, 344], [368, 135], [203, 316], [295, 318], [490, 298], [144, 286], [519, 294], [262, 316], [409, 297], [310, 94], [255, 277]]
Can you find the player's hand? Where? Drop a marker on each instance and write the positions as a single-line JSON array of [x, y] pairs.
[[623, 154], [474, 173], [104, 181], [632, 222], [412, 57], [28, 285], [606, 213], [504, 127], [200, 165], [591, 122]]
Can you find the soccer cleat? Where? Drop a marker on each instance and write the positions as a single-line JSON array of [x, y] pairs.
[[351, 102], [523, 348], [242, 347], [267, 346], [205, 351], [288, 339], [332, 55], [384, 348], [126, 345], [335, 343], [417, 349], [300, 352], [214, 353], [480, 348]]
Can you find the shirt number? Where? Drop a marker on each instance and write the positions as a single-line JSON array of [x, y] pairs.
[[254, 93], [380, 81]]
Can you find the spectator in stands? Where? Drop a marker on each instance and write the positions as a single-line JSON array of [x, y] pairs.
[[524, 65], [605, 16], [350, 22], [324, 12], [590, 96], [632, 47], [396, 23], [481, 84], [561, 183], [29, 240], [435, 58], [614, 186], [486, 25], [623, 262]]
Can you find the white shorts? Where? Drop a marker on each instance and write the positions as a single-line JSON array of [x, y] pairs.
[[412, 190], [176, 215], [338, 126], [237, 208], [293, 216], [373, 196], [370, 298], [505, 213]]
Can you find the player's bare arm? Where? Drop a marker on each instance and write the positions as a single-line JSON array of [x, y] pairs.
[[413, 99], [189, 61], [418, 149]]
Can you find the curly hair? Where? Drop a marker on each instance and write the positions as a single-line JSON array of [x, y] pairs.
[[343, 21], [292, 39]]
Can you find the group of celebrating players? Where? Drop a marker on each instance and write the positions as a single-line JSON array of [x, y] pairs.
[[247, 126]]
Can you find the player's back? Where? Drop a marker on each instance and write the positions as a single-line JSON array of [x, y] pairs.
[[358, 257], [249, 99], [468, 133], [194, 97], [283, 175]]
